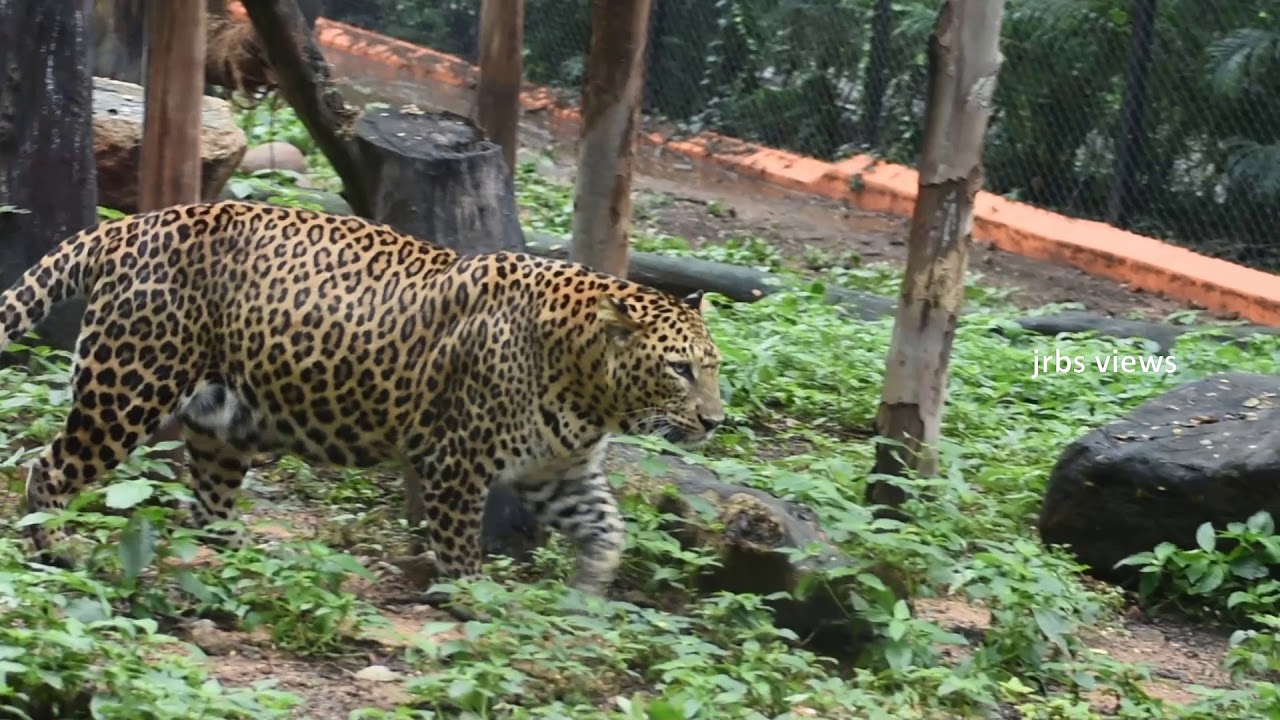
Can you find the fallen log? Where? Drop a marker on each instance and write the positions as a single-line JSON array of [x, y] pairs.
[[763, 545], [683, 275]]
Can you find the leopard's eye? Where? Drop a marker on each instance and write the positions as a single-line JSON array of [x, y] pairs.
[[683, 369]]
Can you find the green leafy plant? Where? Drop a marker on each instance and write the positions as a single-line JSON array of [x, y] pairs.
[[65, 653], [1227, 574]]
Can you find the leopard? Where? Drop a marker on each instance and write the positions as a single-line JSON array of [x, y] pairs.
[[260, 328]]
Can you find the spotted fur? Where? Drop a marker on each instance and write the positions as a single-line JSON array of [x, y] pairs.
[[349, 344]]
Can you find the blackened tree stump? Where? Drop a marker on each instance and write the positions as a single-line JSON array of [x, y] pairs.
[[434, 176]]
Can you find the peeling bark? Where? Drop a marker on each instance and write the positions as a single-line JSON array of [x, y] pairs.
[[610, 113], [501, 71], [964, 62]]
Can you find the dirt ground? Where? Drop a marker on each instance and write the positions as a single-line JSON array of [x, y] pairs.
[[1178, 657]]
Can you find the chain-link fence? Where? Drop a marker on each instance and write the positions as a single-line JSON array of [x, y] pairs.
[[1160, 116]]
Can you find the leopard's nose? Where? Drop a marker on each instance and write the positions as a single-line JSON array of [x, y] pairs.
[[710, 423]]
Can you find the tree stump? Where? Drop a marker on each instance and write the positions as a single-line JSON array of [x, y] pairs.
[[434, 176]]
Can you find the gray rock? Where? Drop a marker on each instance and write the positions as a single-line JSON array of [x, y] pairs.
[[1207, 451]]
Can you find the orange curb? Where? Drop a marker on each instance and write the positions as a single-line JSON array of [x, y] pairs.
[[1143, 263]]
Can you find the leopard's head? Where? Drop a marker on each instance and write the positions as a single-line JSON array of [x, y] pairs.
[[662, 366]]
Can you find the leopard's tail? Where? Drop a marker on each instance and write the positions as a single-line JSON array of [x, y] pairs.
[[64, 273]]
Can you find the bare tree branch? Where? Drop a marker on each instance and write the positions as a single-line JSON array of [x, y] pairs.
[[303, 77]]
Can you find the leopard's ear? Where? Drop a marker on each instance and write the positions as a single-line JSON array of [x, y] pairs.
[[698, 301], [619, 325]]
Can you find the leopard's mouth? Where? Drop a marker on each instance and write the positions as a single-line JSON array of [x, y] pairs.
[[678, 434]]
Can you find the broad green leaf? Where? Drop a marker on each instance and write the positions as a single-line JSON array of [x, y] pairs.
[[128, 493], [137, 546], [1205, 537]]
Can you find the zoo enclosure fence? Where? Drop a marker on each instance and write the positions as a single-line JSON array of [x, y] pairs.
[[1157, 116]]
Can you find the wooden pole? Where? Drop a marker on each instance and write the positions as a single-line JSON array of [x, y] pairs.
[[964, 62], [169, 162], [501, 72], [610, 113], [169, 165]]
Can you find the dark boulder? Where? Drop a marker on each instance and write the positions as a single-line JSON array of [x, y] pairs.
[[1207, 451]]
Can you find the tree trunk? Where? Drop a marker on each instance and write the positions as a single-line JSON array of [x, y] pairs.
[[120, 39], [1131, 138], [169, 164], [47, 171], [877, 83], [433, 176], [302, 73], [964, 62], [610, 113], [501, 70]]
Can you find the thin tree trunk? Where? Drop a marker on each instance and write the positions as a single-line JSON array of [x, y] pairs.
[[610, 113], [964, 62], [877, 83], [501, 70], [169, 161], [48, 177], [1132, 135]]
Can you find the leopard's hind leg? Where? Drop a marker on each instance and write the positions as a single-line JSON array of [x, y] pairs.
[[222, 434], [120, 396]]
